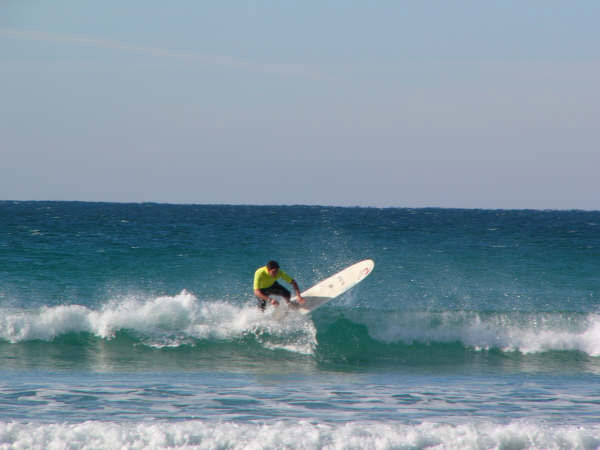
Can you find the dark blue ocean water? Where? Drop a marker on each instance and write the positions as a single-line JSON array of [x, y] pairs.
[[135, 326]]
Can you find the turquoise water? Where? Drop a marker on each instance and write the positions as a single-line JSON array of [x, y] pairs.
[[135, 325]]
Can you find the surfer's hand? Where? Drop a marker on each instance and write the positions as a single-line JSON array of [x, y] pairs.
[[274, 302], [301, 300]]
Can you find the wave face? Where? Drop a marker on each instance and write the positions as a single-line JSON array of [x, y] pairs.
[[182, 326]]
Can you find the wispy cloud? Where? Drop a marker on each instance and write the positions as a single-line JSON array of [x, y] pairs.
[[295, 70]]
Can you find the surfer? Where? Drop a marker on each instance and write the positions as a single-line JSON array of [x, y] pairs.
[[265, 284]]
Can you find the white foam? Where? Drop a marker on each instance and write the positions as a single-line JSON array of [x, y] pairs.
[[163, 321], [526, 333], [306, 435], [44, 324], [183, 318]]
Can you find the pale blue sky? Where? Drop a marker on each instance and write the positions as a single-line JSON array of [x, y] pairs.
[[470, 104]]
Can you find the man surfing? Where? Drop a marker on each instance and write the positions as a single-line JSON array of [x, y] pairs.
[[265, 284]]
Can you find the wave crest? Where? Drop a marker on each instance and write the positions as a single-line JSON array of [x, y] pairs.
[[166, 321], [184, 320], [526, 333]]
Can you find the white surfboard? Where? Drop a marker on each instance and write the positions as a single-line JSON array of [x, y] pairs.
[[335, 285]]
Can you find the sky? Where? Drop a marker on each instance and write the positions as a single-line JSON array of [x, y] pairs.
[[463, 104]]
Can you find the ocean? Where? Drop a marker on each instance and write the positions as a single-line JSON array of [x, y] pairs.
[[135, 326]]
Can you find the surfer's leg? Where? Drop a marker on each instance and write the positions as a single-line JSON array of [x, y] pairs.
[[278, 289], [275, 289], [261, 304]]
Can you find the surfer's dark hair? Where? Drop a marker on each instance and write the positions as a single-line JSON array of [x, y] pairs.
[[272, 265]]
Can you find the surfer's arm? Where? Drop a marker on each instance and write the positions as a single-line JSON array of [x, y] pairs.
[[266, 298], [297, 289]]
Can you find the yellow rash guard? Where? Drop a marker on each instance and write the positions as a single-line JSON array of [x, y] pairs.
[[263, 280]]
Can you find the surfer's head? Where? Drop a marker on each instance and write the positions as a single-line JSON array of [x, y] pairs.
[[272, 267]]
